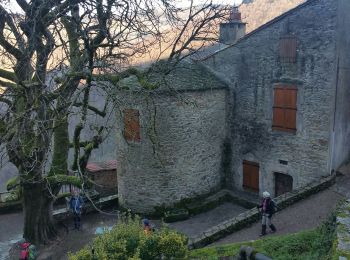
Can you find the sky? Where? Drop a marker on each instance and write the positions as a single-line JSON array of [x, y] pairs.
[[224, 2], [15, 7]]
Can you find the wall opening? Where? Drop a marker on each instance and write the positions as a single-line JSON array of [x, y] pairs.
[[132, 125], [283, 183]]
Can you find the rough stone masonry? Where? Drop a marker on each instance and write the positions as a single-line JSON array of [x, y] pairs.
[[195, 132]]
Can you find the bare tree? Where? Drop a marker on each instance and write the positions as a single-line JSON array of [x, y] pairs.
[[84, 44]]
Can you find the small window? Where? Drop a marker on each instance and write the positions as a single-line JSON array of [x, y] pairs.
[[285, 108], [288, 49], [251, 176], [132, 125]]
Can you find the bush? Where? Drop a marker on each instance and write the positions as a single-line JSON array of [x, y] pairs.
[[128, 241]]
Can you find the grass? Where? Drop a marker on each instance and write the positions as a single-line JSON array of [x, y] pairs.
[[313, 244]]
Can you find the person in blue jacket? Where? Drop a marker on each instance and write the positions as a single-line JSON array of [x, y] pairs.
[[76, 204]]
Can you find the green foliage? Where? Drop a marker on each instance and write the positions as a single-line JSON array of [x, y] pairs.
[[127, 240], [176, 214], [64, 179], [312, 244], [12, 183], [13, 186], [83, 254]]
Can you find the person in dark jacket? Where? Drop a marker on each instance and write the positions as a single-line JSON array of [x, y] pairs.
[[76, 204], [267, 207]]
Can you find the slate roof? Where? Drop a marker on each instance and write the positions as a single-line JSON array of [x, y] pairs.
[[186, 76], [102, 166]]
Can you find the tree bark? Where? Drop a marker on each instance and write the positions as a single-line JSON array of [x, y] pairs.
[[38, 219]]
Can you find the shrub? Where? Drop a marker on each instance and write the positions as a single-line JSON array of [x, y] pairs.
[[128, 241]]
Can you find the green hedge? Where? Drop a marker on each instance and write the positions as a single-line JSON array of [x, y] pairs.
[[127, 241]]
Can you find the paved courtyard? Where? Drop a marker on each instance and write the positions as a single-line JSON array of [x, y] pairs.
[[201, 222]]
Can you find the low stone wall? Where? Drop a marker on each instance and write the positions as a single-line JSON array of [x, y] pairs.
[[216, 199], [199, 205], [342, 243], [250, 216]]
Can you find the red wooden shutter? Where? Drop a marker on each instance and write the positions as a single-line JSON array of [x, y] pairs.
[[290, 108], [278, 110], [251, 176], [285, 108], [132, 125], [288, 49]]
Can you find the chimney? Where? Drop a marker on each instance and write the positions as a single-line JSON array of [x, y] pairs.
[[234, 29]]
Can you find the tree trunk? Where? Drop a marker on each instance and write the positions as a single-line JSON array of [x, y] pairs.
[[38, 219]]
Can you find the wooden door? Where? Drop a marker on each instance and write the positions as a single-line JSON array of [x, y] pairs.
[[283, 183], [251, 176]]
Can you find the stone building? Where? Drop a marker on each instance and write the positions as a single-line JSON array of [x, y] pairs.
[[104, 176], [170, 139], [270, 111]]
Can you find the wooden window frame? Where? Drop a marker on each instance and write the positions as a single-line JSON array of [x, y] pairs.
[[284, 128], [249, 188], [132, 130]]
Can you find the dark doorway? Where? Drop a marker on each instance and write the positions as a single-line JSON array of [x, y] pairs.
[[283, 183], [251, 176]]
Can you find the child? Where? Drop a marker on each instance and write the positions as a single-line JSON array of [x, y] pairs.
[[147, 229]]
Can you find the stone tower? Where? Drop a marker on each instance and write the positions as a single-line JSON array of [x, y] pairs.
[[234, 29], [170, 138]]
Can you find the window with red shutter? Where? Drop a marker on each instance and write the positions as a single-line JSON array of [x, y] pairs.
[[132, 125], [288, 49], [285, 108], [251, 176]]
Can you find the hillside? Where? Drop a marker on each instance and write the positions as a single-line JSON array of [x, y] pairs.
[[257, 12]]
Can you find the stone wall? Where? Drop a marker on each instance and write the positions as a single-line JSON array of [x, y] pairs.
[[342, 243], [105, 182], [179, 155], [341, 130], [252, 68]]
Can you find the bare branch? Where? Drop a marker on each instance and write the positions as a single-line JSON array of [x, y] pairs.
[[23, 4], [93, 109], [4, 18], [7, 75]]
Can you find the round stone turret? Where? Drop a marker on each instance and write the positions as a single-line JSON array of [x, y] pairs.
[[170, 138]]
